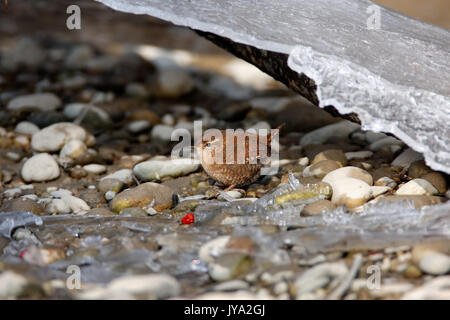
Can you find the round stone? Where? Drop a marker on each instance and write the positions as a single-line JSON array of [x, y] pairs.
[[435, 264], [95, 168], [41, 167], [350, 192], [26, 127], [54, 137], [348, 172], [143, 195]]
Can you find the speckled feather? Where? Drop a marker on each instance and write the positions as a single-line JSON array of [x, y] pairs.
[[237, 171]]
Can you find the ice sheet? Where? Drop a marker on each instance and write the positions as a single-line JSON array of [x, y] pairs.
[[396, 78]]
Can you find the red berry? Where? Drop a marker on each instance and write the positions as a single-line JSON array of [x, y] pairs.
[[22, 253], [188, 219]]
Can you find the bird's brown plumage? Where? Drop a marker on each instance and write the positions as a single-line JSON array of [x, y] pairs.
[[235, 159]]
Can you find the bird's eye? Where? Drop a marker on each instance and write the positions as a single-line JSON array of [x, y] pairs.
[[208, 145]]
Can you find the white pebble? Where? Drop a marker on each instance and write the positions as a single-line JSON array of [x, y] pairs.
[[348, 172], [417, 187], [351, 192], [109, 195], [435, 263], [54, 137], [26, 127], [124, 175], [157, 169], [41, 167], [95, 168]]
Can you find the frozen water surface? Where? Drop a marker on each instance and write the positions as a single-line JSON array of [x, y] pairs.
[[396, 78]]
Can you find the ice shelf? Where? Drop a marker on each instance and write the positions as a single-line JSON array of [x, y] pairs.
[[396, 78]]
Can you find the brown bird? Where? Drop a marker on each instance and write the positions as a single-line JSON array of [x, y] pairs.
[[234, 158]]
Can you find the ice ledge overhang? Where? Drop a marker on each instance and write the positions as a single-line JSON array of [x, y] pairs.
[[396, 78]]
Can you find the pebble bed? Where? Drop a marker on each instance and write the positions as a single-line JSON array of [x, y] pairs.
[[87, 185]]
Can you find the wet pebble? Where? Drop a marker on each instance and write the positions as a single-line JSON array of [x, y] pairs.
[[142, 196], [41, 167], [318, 207], [134, 212]]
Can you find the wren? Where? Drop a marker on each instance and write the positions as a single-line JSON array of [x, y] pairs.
[[234, 158]]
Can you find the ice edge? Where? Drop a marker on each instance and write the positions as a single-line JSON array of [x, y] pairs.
[[318, 66]]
